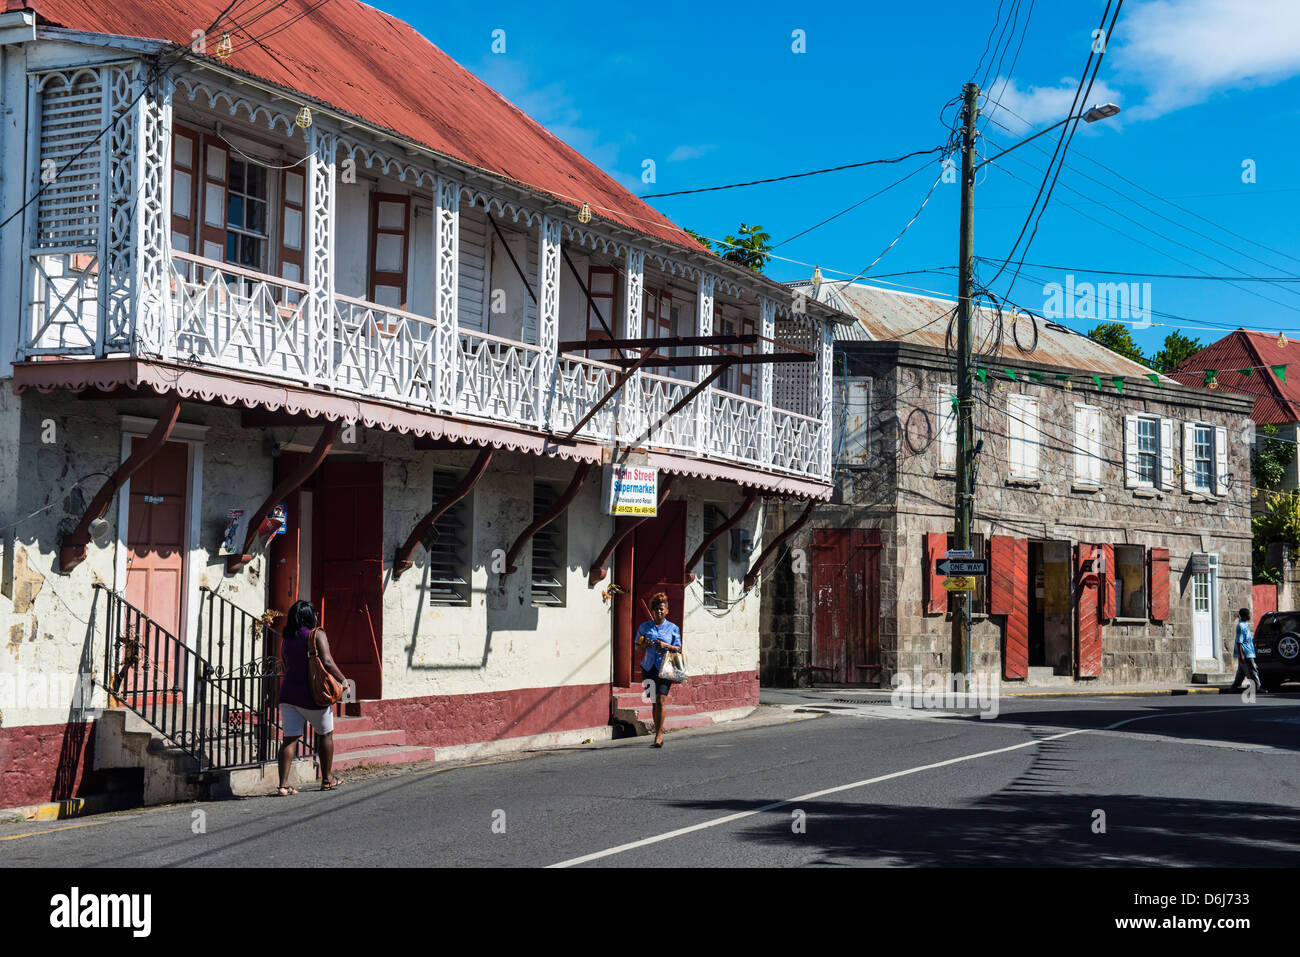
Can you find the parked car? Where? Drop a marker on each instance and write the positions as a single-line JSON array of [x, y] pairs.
[[1277, 648]]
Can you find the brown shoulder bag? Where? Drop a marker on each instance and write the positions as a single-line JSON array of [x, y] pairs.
[[325, 688]]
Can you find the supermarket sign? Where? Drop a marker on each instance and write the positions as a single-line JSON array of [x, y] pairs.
[[631, 490]]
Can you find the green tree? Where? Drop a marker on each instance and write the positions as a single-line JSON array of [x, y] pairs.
[[1178, 349], [750, 248], [1279, 522], [699, 239], [1269, 461], [1116, 337]]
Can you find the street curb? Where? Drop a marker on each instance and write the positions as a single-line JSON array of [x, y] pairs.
[[1172, 692], [60, 810]]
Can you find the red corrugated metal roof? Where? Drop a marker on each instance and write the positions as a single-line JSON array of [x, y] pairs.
[[1275, 401], [362, 61]]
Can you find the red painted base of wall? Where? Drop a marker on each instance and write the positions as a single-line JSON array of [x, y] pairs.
[[442, 720], [46, 762], [735, 689]]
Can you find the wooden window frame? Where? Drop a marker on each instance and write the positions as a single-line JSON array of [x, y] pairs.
[[376, 276]]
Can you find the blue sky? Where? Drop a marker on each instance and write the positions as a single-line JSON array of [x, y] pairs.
[[712, 96]]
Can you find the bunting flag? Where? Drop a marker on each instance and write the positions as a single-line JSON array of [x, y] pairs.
[[1246, 372], [1036, 376], [981, 373], [956, 407], [1119, 383], [1155, 377], [1097, 379], [1062, 377], [1011, 374], [1280, 371], [1210, 374]]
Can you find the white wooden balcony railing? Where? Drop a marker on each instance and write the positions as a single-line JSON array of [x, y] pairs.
[[225, 317]]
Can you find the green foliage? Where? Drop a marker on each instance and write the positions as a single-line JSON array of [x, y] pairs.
[[750, 248], [699, 239], [1279, 522], [1116, 337], [1269, 461], [1178, 349]]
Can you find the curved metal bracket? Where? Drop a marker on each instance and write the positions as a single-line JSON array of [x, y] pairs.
[[750, 498], [72, 550], [286, 487], [622, 526], [402, 558], [752, 575], [550, 515]]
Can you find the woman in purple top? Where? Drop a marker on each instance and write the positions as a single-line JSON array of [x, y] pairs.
[[298, 706]]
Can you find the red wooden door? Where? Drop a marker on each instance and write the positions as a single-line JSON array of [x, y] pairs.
[[846, 605], [1009, 596], [659, 555], [1087, 626], [347, 580], [155, 536]]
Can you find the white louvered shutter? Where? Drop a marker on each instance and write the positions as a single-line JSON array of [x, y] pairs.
[[1189, 457], [1015, 438], [1220, 461], [67, 212], [1166, 454], [947, 419], [1081, 449], [1130, 451], [1094, 445], [1033, 440]]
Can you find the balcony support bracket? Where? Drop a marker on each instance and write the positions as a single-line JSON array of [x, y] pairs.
[[72, 550], [402, 559], [752, 575], [622, 526], [287, 486], [750, 498], [550, 515]]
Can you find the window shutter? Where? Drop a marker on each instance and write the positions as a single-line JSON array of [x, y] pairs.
[[548, 544], [746, 370], [1107, 554], [1189, 457], [292, 223], [1158, 561], [1130, 451], [1033, 441], [947, 419], [67, 211], [1094, 445], [471, 276], [1220, 461], [185, 200], [1016, 432], [1167, 454], [936, 599], [1009, 596], [216, 176], [1087, 626], [448, 544], [1082, 445], [390, 228], [857, 426]]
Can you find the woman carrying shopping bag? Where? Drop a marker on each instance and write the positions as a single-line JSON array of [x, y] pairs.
[[661, 664]]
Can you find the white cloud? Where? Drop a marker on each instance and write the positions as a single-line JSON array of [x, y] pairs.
[[1043, 105], [688, 153], [1184, 51]]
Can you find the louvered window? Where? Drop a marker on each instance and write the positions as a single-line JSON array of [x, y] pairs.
[[67, 217], [448, 543], [714, 563], [549, 550]]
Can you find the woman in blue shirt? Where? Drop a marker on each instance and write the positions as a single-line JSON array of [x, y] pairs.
[[658, 637]]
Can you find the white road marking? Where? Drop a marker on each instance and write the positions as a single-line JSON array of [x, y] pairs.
[[740, 815]]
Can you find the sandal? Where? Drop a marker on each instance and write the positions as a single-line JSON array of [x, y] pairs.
[[334, 782], [285, 791]]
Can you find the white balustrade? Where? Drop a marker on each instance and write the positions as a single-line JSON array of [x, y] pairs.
[[658, 395], [497, 379], [63, 314], [736, 426], [795, 442], [381, 351], [579, 384]]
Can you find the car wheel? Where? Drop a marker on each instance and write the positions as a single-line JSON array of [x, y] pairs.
[[1288, 648]]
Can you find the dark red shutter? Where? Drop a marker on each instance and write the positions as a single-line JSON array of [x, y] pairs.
[[293, 218], [1009, 595], [936, 599], [399, 234], [1159, 561], [216, 179], [187, 189], [1087, 627], [747, 328], [1108, 581]]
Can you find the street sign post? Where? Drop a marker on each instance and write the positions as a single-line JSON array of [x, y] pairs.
[[961, 566]]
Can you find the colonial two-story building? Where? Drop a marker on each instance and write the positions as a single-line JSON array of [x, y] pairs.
[[302, 309], [1112, 505]]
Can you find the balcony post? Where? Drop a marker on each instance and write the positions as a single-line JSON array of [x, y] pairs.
[[767, 330], [826, 368], [548, 315], [704, 327], [446, 246], [633, 401], [321, 212]]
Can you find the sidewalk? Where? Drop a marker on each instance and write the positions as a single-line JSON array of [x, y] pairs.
[[1007, 689]]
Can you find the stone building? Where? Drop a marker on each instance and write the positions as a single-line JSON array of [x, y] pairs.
[[283, 322], [1112, 503]]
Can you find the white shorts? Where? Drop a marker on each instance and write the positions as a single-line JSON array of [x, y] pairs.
[[294, 719]]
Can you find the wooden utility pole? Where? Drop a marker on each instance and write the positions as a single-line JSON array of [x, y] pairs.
[[964, 506]]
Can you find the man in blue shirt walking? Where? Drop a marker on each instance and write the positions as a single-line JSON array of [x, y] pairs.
[[1244, 651]]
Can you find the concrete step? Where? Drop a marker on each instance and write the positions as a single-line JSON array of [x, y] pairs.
[[1213, 677], [353, 725], [392, 754], [361, 740], [1046, 676], [642, 722]]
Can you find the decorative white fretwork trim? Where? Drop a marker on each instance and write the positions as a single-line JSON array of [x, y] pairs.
[[446, 282]]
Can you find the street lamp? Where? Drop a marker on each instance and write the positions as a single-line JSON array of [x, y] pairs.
[[1101, 112]]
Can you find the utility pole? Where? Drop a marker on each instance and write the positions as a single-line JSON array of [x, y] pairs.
[[964, 506]]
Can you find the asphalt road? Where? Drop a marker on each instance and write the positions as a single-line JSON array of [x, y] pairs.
[[1196, 781]]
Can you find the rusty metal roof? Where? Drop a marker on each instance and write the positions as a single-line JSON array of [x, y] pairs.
[[361, 61], [887, 314], [1275, 401]]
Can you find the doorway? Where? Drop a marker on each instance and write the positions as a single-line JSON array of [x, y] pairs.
[[659, 554], [846, 606], [347, 568], [1051, 629], [1204, 600], [157, 513]]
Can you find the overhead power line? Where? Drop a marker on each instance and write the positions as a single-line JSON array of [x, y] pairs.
[[1155, 275]]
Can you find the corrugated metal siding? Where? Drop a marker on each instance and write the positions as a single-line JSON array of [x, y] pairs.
[[362, 61], [1275, 402]]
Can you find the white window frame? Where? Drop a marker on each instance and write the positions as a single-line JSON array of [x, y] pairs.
[[851, 440], [1087, 444], [1164, 452], [1024, 437], [946, 430]]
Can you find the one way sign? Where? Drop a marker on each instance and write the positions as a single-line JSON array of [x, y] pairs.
[[961, 566]]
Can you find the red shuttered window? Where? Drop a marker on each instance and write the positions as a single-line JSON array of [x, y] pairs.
[[1159, 591], [936, 599]]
